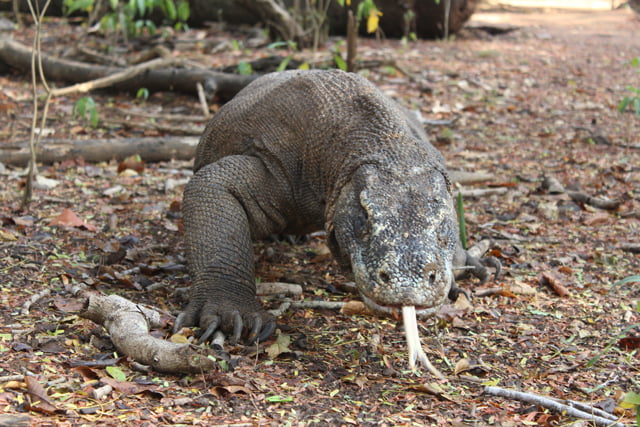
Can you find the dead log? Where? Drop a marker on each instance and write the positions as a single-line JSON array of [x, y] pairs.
[[128, 325], [220, 85], [154, 149]]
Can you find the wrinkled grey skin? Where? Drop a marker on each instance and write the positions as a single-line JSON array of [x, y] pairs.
[[301, 150]]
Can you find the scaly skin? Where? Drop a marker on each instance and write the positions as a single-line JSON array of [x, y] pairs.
[[300, 150]]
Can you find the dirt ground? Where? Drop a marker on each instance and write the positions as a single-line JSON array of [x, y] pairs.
[[536, 101]]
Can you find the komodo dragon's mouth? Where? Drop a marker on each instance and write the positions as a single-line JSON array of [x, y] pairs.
[[395, 311]]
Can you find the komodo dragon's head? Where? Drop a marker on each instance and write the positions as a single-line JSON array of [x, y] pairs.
[[397, 232]]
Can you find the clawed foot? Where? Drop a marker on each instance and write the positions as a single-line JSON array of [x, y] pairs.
[[476, 267], [250, 324]]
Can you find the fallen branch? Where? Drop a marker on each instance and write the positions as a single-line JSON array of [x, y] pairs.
[[121, 76], [554, 282], [488, 291], [634, 248], [552, 185], [463, 177], [154, 149], [556, 406], [483, 192], [596, 202], [127, 123], [222, 85], [128, 325], [278, 288], [27, 305]]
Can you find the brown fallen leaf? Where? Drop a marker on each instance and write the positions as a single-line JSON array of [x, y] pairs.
[[550, 279], [38, 399], [7, 236], [128, 387], [352, 308], [132, 162], [629, 343], [521, 288], [434, 389], [597, 218], [68, 218], [223, 391], [461, 366]]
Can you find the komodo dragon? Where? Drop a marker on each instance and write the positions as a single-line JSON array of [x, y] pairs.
[[297, 151]]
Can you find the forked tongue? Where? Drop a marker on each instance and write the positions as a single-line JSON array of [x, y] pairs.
[[416, 353]]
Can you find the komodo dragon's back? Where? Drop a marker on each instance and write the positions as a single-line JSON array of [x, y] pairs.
[[300, 150]]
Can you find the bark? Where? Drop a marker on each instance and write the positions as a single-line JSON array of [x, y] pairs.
[[221, 85], [154, 149], [128, 325]]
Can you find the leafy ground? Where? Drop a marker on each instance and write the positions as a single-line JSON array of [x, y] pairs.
[[519, 100]]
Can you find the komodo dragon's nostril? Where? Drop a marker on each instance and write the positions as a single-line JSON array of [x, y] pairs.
[[431, 273], [383, 277]]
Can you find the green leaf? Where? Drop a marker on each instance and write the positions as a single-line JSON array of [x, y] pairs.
[[636, 106], [71, 6], [94, 118], [150, 26], [183, 11], [170, 9], [244, 68], [609, 346], [635, 278], [143, 93], [283, 64], [622, 105], [85, 105], [279, 399], [632, 398], [142, 7], [340, 63], [277, 44], [461, 222], [116, 373]]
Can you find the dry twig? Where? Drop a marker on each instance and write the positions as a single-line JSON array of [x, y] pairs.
[[557, 406]]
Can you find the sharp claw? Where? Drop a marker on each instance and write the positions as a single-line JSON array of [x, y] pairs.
[[257, 327], [453, 293], [179, 323], [238, 326], [267, 330], [208, 333], [495, 263]]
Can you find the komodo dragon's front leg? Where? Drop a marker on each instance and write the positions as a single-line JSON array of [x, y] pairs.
[[226, 203]]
